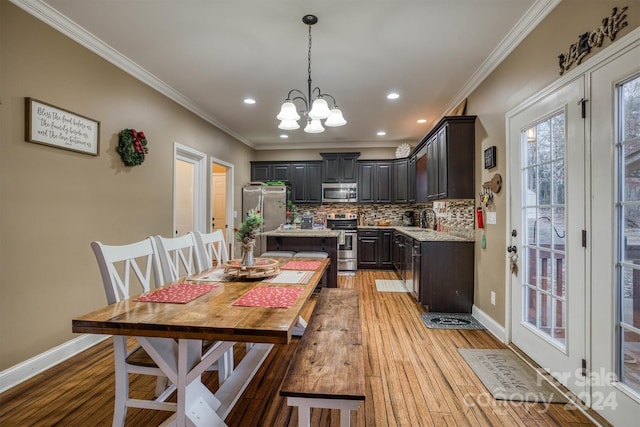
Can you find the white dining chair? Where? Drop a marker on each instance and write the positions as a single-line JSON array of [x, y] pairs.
[[178, 257], [116, 264], [210, 246]]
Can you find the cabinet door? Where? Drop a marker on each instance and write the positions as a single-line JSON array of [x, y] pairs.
[[432, 168], [443, 157], [349, 168], [279, 172], [411, 180], [368, 249], [314, 182], [366, 180], [384, 182], [298, 183], [422, 191], [330, 168], [385, 244], [400, 178], [260, 172]]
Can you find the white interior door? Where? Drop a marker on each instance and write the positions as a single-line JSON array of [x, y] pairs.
[[189, 190], [184, 206], [615, 109], [547, 196], [219, 201]]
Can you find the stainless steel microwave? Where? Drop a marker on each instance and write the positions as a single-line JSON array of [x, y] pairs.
[[339, 193]]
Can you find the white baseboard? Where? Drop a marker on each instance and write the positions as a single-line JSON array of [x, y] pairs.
[[23, 371], [492, 326]]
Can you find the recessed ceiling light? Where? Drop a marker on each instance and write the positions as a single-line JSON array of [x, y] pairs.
[[284, 136], [393, 95], [249, 101], [422, 120], [381, 133]]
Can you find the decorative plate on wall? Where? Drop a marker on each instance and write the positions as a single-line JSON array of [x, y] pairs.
[[403, 150]]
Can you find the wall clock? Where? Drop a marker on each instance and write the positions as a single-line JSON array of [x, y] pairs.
[[490, 157]]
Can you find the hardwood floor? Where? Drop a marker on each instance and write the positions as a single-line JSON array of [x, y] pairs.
[[414, 377]]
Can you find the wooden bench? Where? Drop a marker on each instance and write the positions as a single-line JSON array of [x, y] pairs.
[[327, 370]]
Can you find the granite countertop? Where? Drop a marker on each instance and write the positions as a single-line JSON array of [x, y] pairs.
[[301, 233], [421, 234]]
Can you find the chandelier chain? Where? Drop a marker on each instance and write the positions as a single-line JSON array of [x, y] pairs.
[[309, 55]]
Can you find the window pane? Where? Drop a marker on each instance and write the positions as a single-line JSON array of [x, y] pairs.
[[631, 359], [531, 214], [544, 184], [544, 270], [630, 109], [560, 323], [632, 171], [631, 296], [559, 273], [530, 148], [543, 131], [558, 182], [559, 231], [544, 228], [631, 234], [557, 135], [530, 306], [532, 187], [532, 268]]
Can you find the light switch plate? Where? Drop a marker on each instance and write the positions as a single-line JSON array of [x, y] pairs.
[[491, 217]]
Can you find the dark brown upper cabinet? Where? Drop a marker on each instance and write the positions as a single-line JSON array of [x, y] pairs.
[[340, 167]]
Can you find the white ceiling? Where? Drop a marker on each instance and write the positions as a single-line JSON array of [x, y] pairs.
[[209, 55]]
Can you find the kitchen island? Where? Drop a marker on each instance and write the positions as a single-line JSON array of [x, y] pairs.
[[308, 241]]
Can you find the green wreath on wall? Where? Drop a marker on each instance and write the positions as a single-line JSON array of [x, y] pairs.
[[132, 146]]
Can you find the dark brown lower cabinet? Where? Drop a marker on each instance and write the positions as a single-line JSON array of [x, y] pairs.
[[374, 248], [446, 276]]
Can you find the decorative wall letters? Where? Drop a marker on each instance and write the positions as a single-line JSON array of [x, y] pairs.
[[609, 28]]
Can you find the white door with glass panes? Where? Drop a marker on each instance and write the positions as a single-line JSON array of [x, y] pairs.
[[547, 208], [615, 206]]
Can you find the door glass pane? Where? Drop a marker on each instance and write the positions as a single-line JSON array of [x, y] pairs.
[[628, 234], [544, 208]]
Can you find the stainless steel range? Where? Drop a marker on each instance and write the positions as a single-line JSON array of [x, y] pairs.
[[347, 223]]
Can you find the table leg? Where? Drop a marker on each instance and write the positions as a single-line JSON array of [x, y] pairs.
[[301, 325], [183, 364]]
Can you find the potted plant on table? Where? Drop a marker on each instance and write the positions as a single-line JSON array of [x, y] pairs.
[[246, 235]]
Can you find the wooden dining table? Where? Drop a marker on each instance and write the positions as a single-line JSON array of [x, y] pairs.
[[172, 334]]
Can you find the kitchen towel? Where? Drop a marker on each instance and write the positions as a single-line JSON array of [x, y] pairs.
[[270, 296], [180, 293]]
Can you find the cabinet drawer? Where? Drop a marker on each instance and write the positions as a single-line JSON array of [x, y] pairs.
[[367, 233]]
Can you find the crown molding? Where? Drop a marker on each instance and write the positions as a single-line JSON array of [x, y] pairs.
[[61, 23], [330, 145], [536, 13]]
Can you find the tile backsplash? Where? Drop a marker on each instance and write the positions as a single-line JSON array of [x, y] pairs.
[[457, 218]]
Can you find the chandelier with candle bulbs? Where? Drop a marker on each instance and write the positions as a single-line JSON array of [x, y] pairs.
[[316, 107]]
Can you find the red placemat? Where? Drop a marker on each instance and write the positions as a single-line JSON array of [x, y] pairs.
[[301, 265], [180, 293], [270, 296]]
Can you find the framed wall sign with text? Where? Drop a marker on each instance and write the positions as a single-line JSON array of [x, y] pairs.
[[490, 157], [49, 125]]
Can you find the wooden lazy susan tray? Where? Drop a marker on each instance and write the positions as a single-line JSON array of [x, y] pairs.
[[263, 267]]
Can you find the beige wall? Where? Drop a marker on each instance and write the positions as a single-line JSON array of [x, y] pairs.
[[529, 69], [314, 154], [53, 202]]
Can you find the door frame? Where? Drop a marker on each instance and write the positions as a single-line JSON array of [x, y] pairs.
[[199, 160], [230, 197], [586, 68]]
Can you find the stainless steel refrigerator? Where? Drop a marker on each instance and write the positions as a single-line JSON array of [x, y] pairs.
[[272, 202]]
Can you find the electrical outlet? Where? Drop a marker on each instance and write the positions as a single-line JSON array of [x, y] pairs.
[[235, 214], [493, 298]]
